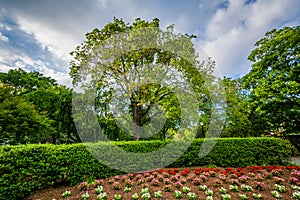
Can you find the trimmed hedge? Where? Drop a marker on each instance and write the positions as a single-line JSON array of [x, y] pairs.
[[26, 168]]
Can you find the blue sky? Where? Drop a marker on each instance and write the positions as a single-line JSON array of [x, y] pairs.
[[39, 34]]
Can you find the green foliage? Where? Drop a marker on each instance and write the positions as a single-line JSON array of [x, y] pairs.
[[239, 152], [56, 101], [25, 82], [34, 106], [26, 168], [274, 79], [31, 167], [20, 123], [241, 121], [110, 57], [237, 121]]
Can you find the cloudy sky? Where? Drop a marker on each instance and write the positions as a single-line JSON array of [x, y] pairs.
[[39, 34]]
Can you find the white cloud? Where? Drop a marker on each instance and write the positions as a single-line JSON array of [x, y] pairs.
[[60, 77], [61, 26], [3, 38], [232, 32], [5, 26], [12, 58], [8, 55], [58, 42], [227, 34]]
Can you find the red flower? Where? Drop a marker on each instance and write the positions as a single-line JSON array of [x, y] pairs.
[[198, 171], [185, 172], [224, 173], [293, 168]]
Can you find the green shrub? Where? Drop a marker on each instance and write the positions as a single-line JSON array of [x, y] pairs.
[[239, 152], [26, 168]]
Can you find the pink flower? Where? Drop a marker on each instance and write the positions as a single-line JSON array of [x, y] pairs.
[[183, 180], [233, 176], [222, 177], [296, 173], [278, 180], [217, 182], [139, 176], [205, 174], [155, 182], [116, 185], [150, 178], [175, 178], [212, 173], [165, 174], [243, 178], [234, 181], [155, 174], [197, 181], [190, 177], [178, 184], [259, 185], [99, 182], [260, 177], [203, 177], [168, 188], [293, 180], [83, 186], [140, 181], [130, 176], [160, 177], [128, 183], [167, 181]]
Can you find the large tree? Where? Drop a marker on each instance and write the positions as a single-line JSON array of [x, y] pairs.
[[274, 81], [128, 62]]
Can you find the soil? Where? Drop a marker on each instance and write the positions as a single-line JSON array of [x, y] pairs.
[[76, 193]]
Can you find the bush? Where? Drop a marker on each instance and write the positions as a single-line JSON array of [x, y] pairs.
[[26, 168]]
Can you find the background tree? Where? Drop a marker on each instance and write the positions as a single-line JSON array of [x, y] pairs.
[[97, 54], [46, 97], [274, 82], [20, 123], [25, 82], [241, 121]]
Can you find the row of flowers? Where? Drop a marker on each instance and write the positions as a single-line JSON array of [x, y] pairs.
[[178, 194], [174, 180]]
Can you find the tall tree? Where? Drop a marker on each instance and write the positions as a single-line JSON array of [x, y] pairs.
[[121, 66], [274, 81]]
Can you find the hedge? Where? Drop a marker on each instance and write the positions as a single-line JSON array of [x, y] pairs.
[[27, 168]]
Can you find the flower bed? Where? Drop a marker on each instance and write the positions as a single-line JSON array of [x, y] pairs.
[[252, 182]]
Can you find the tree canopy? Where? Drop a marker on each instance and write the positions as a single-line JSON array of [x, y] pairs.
[[273, 82], [20, 123], [44, 106], [131, 63]]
